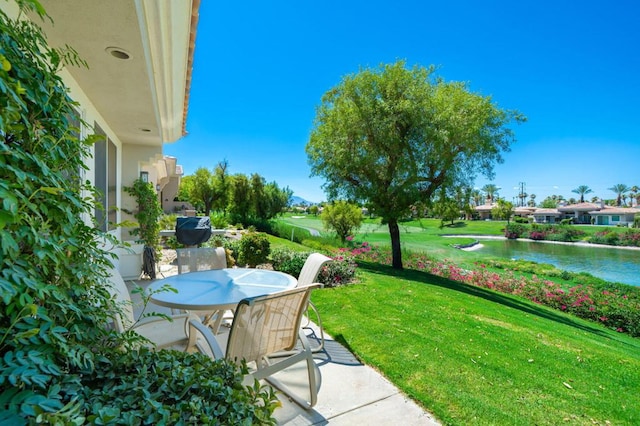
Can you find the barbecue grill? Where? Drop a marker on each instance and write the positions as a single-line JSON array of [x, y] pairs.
[[193, 230]]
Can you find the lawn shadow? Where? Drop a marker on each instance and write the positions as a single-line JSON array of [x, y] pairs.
[[455, 225], [504, 299]]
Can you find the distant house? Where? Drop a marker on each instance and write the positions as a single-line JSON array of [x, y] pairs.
[[614, 215], [581, 212], [524, 211], [484, 211], [547, 216]]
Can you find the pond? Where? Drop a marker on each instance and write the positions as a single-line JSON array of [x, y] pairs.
[[611, 264]]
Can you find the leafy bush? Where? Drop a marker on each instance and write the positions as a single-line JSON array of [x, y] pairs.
[[607, 237], [218, 221], [514, 230], [169, 387], [254, 249], [537, 235], [342, 217], [520, 219], [630, 237], [288, 261], [340, 271], [167, 221], [148, 213]]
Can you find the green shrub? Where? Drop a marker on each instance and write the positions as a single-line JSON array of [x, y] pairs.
[[343, 217], [167, 221], [288, 261], [218, 221], [340, 271], [520, 219], [514, 230], [254, 249], [606, 237], [169, 387], [630, 237]]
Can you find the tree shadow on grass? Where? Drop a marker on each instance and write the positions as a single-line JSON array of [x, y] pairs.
[[492, 296], [456, 225]]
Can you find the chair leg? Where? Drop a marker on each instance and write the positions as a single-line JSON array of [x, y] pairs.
[[320, 347], [265, 370]]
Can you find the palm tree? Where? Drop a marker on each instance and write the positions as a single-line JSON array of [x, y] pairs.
[[476, 195], [635, 194], [582, 190], [532, 200], [491, 190], [619, 189]]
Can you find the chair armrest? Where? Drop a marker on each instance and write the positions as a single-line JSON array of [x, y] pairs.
[[197, 332]]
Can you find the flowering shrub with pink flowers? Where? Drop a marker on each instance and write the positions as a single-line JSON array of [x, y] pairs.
[[340, 271], [615, 306]]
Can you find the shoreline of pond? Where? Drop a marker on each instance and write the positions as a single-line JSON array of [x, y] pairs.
[[477, 244]]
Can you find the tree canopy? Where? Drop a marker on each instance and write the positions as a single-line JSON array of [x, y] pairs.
[[343, 217], [582, 190], [391, 136]]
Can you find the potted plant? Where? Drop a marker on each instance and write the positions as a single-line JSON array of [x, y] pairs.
[[148, 230]]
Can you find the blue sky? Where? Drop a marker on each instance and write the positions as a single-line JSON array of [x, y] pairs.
[[572, 67]]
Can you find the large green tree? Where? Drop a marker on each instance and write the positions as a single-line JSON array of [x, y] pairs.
[[391, 136], [255, 200], [208, 190], [491, 191], [503, 210]]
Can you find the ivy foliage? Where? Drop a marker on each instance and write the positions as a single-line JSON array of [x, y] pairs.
[[54, 301], [148, 214], [59, 362]]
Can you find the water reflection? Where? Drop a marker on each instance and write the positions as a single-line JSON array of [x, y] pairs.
[[616, 265]]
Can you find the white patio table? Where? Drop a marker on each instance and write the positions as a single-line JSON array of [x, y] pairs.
[[218, 290]]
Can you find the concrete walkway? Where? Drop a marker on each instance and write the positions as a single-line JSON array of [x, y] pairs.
[[351, 393]]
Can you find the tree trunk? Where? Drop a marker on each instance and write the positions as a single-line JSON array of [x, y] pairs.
[[396, 253]]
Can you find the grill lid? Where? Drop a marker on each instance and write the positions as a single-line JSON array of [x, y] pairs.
[[192, 231]]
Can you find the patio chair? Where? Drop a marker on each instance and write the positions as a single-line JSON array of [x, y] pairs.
[[163, 334], [204, 259], [308, 276], [267, 325], [201, 259]]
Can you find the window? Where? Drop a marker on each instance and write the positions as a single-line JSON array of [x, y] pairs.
[[106, 182], [615, 218]]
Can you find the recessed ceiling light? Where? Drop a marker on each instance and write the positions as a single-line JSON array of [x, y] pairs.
[[117, 52]]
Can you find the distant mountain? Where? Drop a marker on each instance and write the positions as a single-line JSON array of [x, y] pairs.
[[296, 201]]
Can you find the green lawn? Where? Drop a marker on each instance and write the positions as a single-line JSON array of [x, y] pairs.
[[472, 356], [423, 235]]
